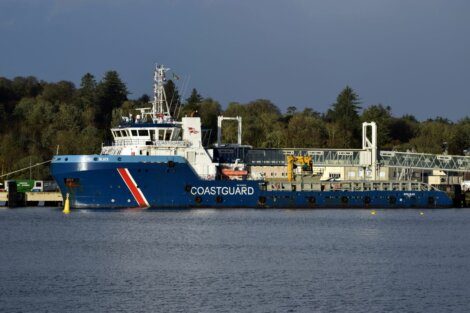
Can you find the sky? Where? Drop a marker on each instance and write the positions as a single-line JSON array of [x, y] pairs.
[[411, 55]]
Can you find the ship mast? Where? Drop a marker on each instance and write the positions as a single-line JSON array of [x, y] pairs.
[[160, 109]]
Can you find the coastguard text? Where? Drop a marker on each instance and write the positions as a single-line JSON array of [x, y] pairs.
[[219, 190]]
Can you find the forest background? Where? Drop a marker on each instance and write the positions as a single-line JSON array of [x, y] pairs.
[[37, 118]]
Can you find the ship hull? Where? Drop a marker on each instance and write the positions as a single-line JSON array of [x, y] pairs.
[[169, 182]]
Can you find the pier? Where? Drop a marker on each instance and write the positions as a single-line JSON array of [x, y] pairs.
[[31, 199]]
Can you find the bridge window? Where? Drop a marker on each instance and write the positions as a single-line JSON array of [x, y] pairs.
[[161, 134], [117, 134], [143, 132], [134, 132], [168, 135]]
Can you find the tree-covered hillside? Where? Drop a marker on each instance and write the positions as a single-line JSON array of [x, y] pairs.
[[37, 117]]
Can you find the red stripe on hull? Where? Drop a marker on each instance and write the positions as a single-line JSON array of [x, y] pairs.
[[132, 188]]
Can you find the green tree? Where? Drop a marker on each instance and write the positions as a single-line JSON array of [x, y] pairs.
[[87, 99], [35, 115], [291, 110], [11, 149], [88, 89], [209, 110], [229, 130], [311, 112], [11, 91], [127, 108], [344, 114], [261, 123], [7, 99], [144, 99], [172, 97], [26, 87], [383, 117], [112, 92], [91, 139], [192, 104], [305, 131], [402, 130], [194, 99], [432, 137], [3, 118], [62, 91], [461, 137]]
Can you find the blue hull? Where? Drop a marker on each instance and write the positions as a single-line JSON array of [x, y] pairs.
[[108, 181]]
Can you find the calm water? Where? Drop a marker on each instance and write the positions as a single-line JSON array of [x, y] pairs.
[[235, 260]]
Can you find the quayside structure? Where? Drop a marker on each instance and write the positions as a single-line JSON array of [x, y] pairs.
[[369, 157]]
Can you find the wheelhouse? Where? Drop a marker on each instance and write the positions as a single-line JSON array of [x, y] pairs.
[[146, 134]]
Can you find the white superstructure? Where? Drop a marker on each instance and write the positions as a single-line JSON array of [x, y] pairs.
[[155, 132]]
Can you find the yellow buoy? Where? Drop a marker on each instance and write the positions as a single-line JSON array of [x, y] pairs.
[[373, 212], [66, 205]]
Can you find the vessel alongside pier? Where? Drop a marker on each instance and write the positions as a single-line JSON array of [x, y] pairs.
[[158, 162]]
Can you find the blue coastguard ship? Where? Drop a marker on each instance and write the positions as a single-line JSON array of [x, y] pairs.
[[158, 162]]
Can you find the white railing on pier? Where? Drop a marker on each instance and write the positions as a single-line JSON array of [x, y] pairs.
[[352, 157], [425, 161]]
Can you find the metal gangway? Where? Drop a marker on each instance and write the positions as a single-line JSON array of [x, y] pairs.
[[425, 161], [369, 156], [352, 158]]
